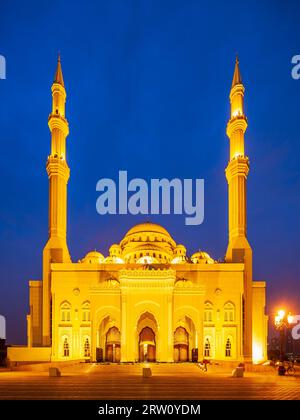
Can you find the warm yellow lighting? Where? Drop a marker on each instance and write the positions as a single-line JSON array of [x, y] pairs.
[[147, 259], [237, 154], [281, 314], [257, 352], [236, 112], [119, 307], [290, 318]]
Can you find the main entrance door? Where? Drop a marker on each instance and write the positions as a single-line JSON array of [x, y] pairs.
[[147, 347]]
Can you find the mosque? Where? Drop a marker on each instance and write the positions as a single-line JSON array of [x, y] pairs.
[[147, 300]]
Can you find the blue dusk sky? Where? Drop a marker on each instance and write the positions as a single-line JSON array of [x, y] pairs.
[[148, 85]]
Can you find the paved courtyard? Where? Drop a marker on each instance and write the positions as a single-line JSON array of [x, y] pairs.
[[169, 381]]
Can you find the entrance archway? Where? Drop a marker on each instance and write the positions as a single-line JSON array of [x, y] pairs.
[[108, 341], [185, 340], [147, 347], [146, 338], [181, 345], [113, 345]]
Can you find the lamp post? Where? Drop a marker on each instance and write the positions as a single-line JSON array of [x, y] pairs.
[[282, 324]]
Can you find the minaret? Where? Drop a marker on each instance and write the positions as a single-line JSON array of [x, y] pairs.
[[237, 171], [56, 249]]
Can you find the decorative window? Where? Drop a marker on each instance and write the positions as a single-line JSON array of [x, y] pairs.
[[207, 348], [65, 312], [228, 348], [66, 348], [87, 348], [86, 312], [208, 312], [229, 312]]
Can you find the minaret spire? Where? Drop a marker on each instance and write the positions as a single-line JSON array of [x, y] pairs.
[[237, 78], [58, 78], [239, 250], [238, 166], [57, 167], [56, 249]]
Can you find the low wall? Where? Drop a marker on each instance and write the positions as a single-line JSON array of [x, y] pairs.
[[28, 354], [249, 367], [42, 367], [34, 359]]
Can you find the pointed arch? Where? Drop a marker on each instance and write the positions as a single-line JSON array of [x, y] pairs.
[[65, 311], [65, 346], [208, 311], [146, 336], [229, 311], [86, 311], [86, 347], [228, 346]]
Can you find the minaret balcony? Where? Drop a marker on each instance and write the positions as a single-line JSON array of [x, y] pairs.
[[238, 166], [57, 165], [59, 122], [239, 122]]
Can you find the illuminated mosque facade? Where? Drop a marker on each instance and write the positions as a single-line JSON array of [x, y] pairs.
[[147, 300]]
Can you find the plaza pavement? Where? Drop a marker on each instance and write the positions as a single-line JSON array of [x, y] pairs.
[[169, 381]]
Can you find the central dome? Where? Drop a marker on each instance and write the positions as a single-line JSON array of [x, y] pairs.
[[147, 227], [147, 240]]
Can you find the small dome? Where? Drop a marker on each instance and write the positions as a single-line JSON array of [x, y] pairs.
[[115, 255], [180, 250], [115, 250], [201, 257], [93, 257], [179, 254]]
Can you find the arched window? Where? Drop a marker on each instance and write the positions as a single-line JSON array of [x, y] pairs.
[[207, 347], [66, 348], [229, 312], [228, 348], [65, 312], [208, 312], [87, 348], [86, 312]]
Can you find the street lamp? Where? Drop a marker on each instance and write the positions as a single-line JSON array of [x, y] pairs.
[[282, 323]]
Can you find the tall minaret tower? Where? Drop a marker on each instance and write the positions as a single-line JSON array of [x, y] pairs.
[[239, 250], [56, 249]]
